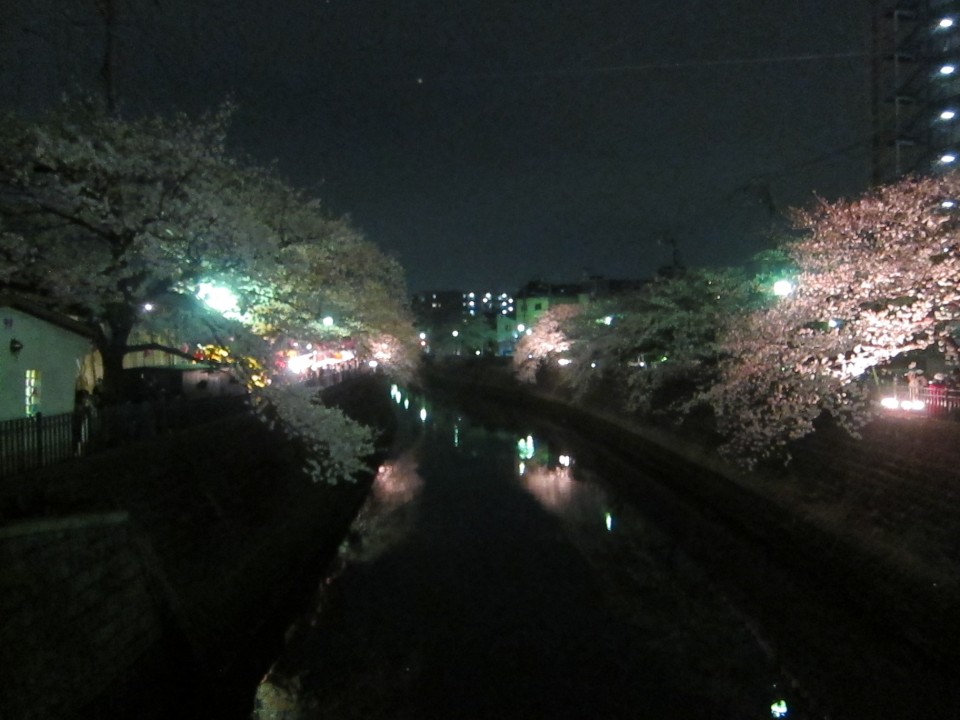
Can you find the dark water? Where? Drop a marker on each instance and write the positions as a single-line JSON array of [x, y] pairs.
[[496, 574]]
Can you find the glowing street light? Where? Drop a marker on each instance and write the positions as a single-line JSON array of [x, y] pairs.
[[945, 23], [948, 114], [948, 69], [219, 298], [327, 321], [779, 709], [948, 158], [782, 288]]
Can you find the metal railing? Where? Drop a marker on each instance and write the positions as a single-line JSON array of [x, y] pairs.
[[31, 443], [930, 400]]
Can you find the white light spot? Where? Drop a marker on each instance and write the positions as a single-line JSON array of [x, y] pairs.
[[782, 288]]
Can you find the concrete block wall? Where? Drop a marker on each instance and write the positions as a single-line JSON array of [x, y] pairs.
[[75, 612], [176, 606]]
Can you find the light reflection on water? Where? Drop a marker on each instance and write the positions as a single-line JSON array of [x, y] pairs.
[[387, 515], [388, 512], [652, 586]]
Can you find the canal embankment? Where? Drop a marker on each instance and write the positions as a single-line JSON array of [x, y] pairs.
[[865, 528], [156, 580]]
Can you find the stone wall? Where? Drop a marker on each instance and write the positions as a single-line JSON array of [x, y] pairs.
[[74, 597], [156, 580]]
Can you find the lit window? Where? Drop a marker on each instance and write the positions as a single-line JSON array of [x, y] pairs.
[[32, 393]]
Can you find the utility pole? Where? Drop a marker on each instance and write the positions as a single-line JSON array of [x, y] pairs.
[[108, 12]]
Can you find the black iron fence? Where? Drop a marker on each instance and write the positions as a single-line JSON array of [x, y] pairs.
[[31, 443]]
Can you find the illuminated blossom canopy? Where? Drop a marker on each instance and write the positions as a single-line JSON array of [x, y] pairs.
[[547, 340], [102, 215], [656, 345], [877, 277]]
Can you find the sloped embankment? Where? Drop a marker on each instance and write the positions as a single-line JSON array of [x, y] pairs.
[[156, 580], [864, 532]]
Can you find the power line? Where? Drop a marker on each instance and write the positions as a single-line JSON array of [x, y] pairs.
[[644, 67]]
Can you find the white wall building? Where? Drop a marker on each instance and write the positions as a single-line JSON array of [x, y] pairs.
[[40, 357]]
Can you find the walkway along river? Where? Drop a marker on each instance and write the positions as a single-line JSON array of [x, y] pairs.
[[497, 571]]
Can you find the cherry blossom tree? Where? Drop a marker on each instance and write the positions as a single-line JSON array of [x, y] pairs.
[[876, 277], [547, 340], [102, 215], [659, 345]]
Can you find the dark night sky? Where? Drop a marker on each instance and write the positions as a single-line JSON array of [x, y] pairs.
[[489, 143]]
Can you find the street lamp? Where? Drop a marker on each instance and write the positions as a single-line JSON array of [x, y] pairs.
[[220, 299], [327, 321], [782, 288]]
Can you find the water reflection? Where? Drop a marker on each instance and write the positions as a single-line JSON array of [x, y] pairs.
[[650, 580], [551, 479], [388, 513], [387, 516], [590, 603]]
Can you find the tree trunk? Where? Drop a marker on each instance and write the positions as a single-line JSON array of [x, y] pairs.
[[112, 344]]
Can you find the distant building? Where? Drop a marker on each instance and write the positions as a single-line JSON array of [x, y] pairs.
[[487, 303], [41, 353], [536, 297], [440, 313], [437, 307], [916, 88]]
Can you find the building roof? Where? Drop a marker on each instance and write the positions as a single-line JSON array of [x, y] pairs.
[[51, 316]]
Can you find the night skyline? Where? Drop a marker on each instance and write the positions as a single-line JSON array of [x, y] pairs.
[[487, 144]]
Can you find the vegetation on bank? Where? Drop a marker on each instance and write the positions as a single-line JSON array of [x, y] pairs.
[[859, 285], [152, 226]]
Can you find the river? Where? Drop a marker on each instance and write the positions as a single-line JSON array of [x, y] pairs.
[[495, 573]]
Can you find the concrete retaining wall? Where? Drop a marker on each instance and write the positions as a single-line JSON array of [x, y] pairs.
[[176, 604], [74, 596]]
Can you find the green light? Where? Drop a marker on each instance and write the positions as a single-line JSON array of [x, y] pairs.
[[218, 298], [526, 448]]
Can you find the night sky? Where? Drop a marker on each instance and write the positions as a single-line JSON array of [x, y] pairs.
[[488, 143]]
